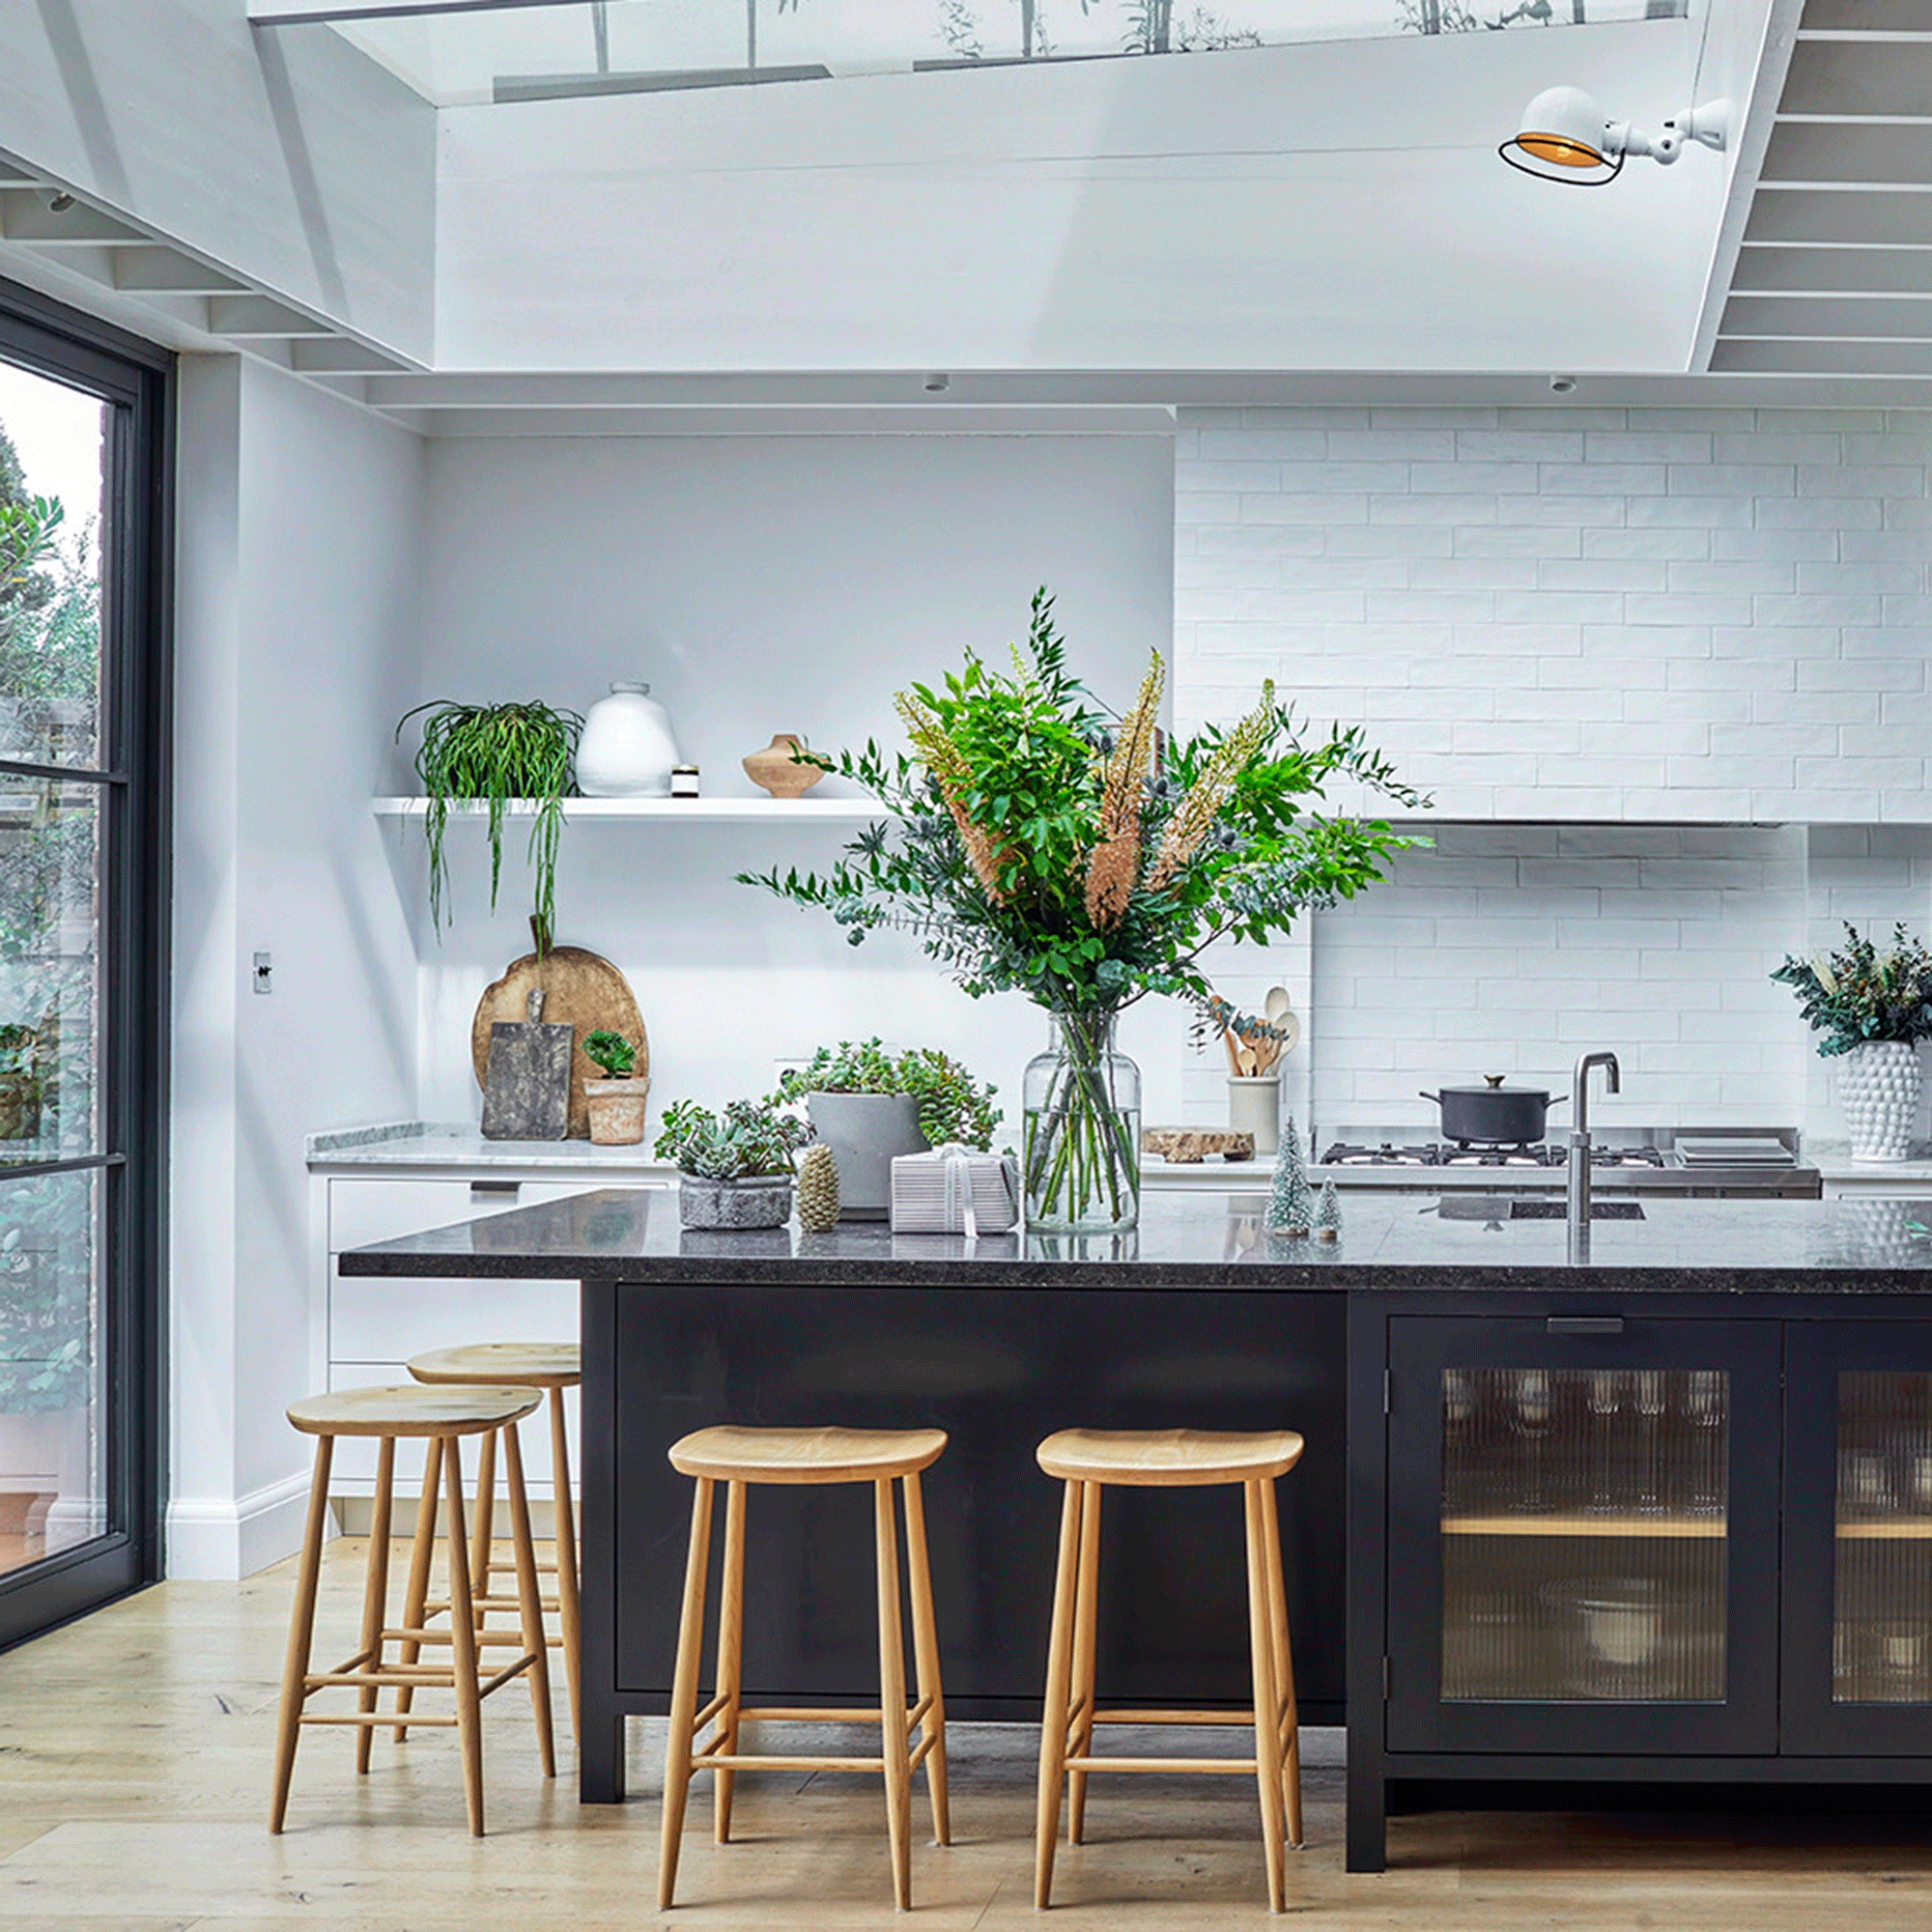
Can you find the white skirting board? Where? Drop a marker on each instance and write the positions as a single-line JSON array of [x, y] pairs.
[[224, 1538]]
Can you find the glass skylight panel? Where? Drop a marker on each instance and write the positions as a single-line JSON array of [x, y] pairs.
[[506, 53]]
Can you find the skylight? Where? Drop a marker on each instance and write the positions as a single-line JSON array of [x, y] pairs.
[[463, 52]]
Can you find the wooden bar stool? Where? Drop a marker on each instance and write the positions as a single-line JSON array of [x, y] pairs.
[[737, 1457], [552, 1366], [1086, 1461], [442, 1417]]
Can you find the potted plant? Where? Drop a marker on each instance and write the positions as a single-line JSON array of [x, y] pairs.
[[736, 1167], [1034, 841], [617, 1102], [493, 753], [869, 1106], [1872, 1008]]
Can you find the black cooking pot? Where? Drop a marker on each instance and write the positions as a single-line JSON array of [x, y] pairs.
[[1492, 1112]]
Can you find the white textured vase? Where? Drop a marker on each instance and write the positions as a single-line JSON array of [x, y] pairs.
[[627, 750], [1878, 1091]]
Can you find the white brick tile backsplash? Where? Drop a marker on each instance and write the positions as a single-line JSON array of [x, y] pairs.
[[1433, 509], [1687, 606], [1647, 446], [1830, 513], [1565, 512], [1714, 512], [1786, 546], [1762, 445], [1516, 540], [1261, 446], [1662, 546], [1853, 479], [1314, 508], [1601, 574]]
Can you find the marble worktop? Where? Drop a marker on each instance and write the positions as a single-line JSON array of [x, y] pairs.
[[1189, 1241]]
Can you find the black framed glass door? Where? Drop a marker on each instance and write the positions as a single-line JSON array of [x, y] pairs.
[[84, 441], [1583, 1513]]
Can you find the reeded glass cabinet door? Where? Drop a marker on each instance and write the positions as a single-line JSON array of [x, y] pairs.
[[1569, 1534], [1859, 1659]]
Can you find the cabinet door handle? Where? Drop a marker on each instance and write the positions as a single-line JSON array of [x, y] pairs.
[[495, 1186], [1584, 1325]]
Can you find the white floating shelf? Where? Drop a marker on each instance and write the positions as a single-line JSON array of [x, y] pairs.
[[771, 811]]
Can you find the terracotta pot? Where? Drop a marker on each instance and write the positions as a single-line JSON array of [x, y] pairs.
[[772, 768], [616, 1110]]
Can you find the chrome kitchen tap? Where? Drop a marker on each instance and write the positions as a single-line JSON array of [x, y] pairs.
[[1579, 1138]]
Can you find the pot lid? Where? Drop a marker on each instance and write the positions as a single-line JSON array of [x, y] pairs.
[[1493, 1085]]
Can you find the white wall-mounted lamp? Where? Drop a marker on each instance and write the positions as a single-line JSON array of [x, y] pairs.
[[1567, 138]]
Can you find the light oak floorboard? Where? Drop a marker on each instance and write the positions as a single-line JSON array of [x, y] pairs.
[[134, 1767]]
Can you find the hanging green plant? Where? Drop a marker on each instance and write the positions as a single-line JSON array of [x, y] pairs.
[[494, 753]]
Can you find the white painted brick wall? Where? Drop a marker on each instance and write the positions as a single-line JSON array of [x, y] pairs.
[[1512, 948], [1649, 615]]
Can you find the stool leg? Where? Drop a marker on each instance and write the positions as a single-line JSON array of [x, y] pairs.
[[420, 1558], [375, 1594], [482, 1524], [891, 1696], [1267, 1727], [684, 1693], [301, 1634], [463, 1640], [730, 1654], [529, 1599], [1284, 1668], [1085, 1614], [566, 1513], [925, 1658], [1053, 1720]]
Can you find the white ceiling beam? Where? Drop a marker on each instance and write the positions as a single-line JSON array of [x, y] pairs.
[[1847, 79], [26, 216], [256, 317], [163, 270], [1743, 355], [340, 355], [1865, 17], [300, 12], [1824, 271], [1872, 218], [1849, 154], [1841, 317]]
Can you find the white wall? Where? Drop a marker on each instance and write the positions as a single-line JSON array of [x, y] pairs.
[[1702, 615], [286, 156], [298, 561], [762, 584]]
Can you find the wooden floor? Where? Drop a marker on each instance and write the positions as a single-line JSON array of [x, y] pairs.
[[135, 1758]]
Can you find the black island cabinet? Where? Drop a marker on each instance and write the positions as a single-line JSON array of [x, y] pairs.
[[1654, 1512], [1662, 1539]]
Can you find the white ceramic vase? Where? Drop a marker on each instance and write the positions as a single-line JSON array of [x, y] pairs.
[[1878, 1091], [627, 750]]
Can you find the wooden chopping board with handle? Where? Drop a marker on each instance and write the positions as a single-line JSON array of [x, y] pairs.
[[580, 988]]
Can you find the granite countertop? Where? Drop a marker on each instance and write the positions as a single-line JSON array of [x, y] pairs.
[[1188, 1241]]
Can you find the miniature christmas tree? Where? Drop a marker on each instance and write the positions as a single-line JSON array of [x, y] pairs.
[[1328, 1214], [1290, 1209], [817, 1189]]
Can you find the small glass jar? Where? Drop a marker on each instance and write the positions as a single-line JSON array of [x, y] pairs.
[[684, 782], [1081, 1152]]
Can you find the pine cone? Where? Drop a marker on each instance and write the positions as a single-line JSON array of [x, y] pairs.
[[817, 1189]]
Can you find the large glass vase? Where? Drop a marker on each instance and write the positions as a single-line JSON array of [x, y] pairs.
[[1081, 1158]]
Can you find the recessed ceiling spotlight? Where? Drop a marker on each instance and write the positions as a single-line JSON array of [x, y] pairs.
[[59, 201], [1567, 138], [937, 383], [1562, 385]]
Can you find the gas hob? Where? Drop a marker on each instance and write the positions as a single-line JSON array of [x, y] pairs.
[[1684, 1161]]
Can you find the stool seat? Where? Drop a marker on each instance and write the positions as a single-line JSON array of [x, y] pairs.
[[410, 1409], [1169, 1457], [528, 1364], [730, 1454]]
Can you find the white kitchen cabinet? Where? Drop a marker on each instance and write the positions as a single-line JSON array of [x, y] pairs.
[[363, 1330]]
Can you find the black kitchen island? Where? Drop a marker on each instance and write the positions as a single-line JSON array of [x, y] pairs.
[[1657, 1510]]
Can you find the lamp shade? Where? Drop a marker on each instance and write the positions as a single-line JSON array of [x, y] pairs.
[[1565, 136]]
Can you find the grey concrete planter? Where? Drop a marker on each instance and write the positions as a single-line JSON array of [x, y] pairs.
[[761, 1201], [865, 1131]]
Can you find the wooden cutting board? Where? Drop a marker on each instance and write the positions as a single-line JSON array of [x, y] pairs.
[[580, 988]]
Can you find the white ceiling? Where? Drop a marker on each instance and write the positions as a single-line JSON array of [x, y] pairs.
[[1329, 231]]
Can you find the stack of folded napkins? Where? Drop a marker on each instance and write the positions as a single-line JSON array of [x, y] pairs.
[[955, 1190]]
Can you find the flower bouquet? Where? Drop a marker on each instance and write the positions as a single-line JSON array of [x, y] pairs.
[[1040, 843]]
